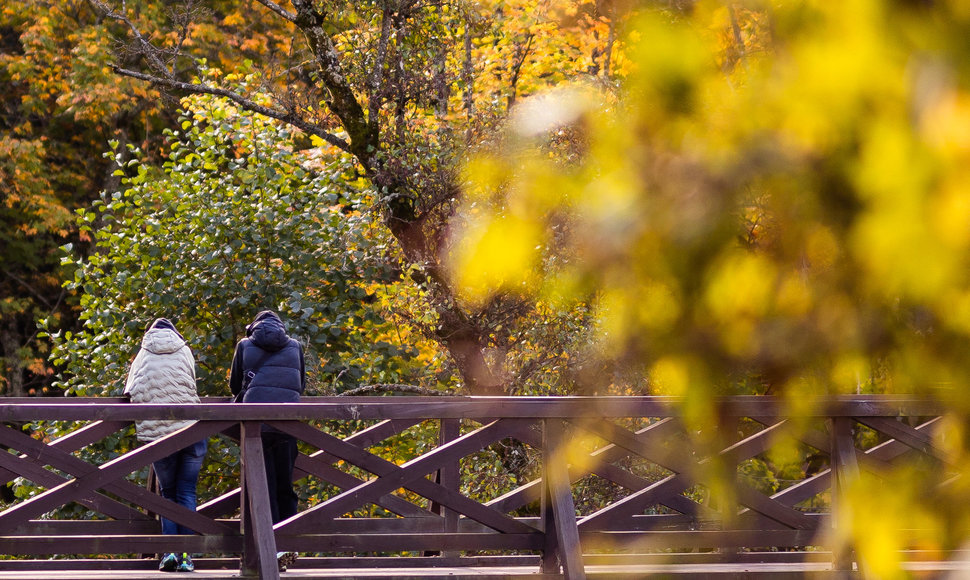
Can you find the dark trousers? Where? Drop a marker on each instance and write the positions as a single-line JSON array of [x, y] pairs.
[[178, 475], [279, 455]]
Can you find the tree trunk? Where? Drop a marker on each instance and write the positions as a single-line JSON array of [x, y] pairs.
[[457, 332], [14, 365]]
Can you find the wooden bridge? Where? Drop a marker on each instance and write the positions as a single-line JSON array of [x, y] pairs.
[[653, 515]]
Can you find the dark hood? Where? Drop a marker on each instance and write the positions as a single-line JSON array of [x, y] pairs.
[[267, 331], [165, 323]]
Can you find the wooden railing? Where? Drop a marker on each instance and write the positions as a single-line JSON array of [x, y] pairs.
[[653, 478]]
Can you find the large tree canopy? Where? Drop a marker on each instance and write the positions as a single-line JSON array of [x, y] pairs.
[[405, 88]]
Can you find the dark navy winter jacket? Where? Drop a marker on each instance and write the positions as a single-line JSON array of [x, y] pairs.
[[281, 376]]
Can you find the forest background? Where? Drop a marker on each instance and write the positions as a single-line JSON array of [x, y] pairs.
[[487, 197]]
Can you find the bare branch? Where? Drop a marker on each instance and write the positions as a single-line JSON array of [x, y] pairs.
[[148, 49], [288, 117], [184, 21], [26, 286], [391, 388], [377, 75], [343, 101], [278, 10]]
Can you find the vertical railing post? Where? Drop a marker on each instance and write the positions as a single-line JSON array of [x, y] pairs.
[[845, 468], [562, 547], [259, 542], [448, 477]]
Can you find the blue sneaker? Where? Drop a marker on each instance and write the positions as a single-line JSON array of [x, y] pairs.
[[186, 564], [284, 559], [169, 563]]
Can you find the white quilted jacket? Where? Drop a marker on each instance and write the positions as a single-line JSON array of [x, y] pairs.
[[163, 372]]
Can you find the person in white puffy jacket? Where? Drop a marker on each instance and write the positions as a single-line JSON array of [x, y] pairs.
[[163, 372]]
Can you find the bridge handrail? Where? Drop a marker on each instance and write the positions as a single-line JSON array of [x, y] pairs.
[[453, 522]]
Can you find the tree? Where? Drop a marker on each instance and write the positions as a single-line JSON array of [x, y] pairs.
[[60, 101], [375, 80], [236, 221]]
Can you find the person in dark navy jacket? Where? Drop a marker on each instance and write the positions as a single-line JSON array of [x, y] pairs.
[[268, 367]]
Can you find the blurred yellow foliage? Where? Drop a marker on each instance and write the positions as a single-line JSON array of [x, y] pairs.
[[772, 196]]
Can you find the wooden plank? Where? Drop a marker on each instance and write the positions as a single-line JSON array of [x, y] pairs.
[[386, 563], [845, 469], [390, 477], [694, 539], [260, 540], [87, 528], [409, 542], [119, 544], [307, 564], [88, 434], [466, 407]]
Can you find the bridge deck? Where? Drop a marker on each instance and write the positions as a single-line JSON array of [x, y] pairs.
[[628, 572], [226, 568]]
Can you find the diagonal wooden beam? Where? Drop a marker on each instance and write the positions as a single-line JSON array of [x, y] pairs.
[[75, 440], [815, 438], [326, 472], [635, 502], [391, 477], [912, 437], [88, 434]]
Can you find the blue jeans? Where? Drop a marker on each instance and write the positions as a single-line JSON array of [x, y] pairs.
[[178, 475]]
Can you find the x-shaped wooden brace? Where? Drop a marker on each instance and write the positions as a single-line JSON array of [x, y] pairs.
[[682, 469], [600, 463], [320, 465], [109, 477], [881, 454], [410, 475]]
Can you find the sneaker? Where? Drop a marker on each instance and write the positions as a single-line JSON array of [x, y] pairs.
[[186, 564], [284, 559], [168, 563]]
